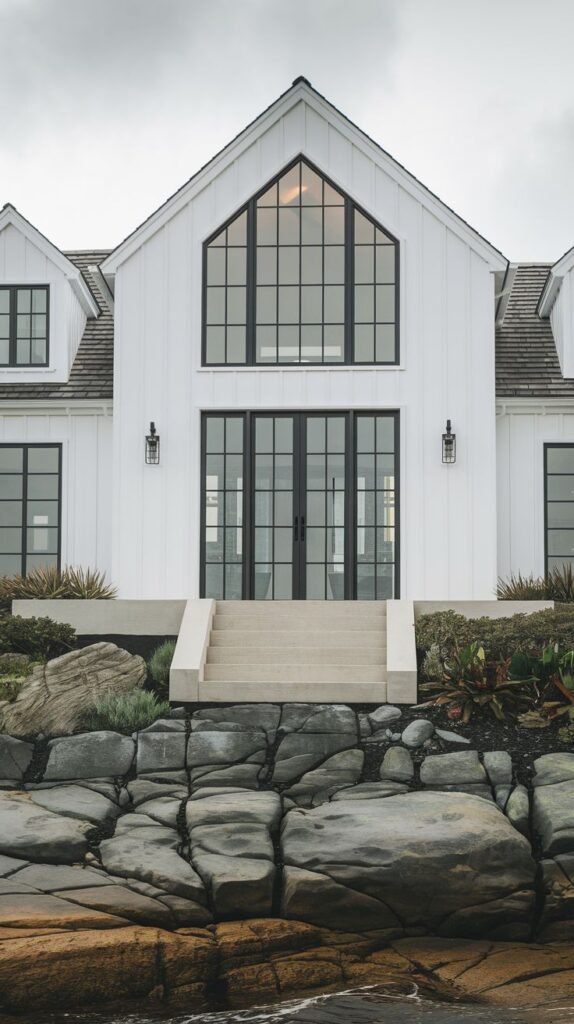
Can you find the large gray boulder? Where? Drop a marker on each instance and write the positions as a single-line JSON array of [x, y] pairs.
[[15, 757], [55, 698], [446, 863], [37, 834], [89, 755]]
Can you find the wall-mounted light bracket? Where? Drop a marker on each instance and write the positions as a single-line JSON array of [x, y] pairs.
[[152, 446], [448, 445]]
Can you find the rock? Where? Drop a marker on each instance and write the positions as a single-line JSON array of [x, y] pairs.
[[234, 839], [553, 817], [165, 810], [394, 851], [337, 772], [224, 748], [557, 918], [517, 809], [58, 877], [150, 854], [498, 764], [364, 725], [456, 769], [238, 886], [397, 765], [501, 795], [450, 737], [121, 902], [98, 967], [31, 832], [300, 752], [246, 717], [15, 757], [89, 755], [551, 768], [55, 697], [35, 910], [383, 716], [417, 732], [141, 790], [164, 725], [77, 802], [314, 896], [160, 751], [318, 718]]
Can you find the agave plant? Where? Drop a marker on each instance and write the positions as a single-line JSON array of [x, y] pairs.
[[471, 682], [63, 584], [556, 585]]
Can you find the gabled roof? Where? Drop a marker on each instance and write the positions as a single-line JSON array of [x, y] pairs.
[[527, 364], [301, 90], [92, 373], [10, 215]]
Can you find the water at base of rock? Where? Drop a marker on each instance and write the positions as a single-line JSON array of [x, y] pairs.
[[367, 1005]]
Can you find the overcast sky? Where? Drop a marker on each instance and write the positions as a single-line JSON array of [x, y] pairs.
[[108, 106]]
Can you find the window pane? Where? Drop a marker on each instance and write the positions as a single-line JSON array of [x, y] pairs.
[[215, 345], [233, 434], [269, 198], [236, 266], [266, 305], [267, 226], [237, 231], [39, 300], [316, 434], [10, 565], [4, 324], [10, 540], [364, 264], [42, 538], [560, 487], [214, 433], [4, 351], [364, 343], [214, 581], [560, 513], [289, 264], [385, 434], [289, 186], [283, 434], [288, 305], [561, 460], [311, 305], [23, 304], [385, 264], [11, 460], [385, 303], [43, 460], [334, 264], [288, 344], [334, 225], [334, 304], [43, 486], [216, 305], [10, 512], [311, 265], [311, 187], [22, 352], [236, 345], [266, 265], [312, 225], [334, 343], [38, 325], [23, 323], [385, 343], [263, 582], [365, 433], [38, 351], [561, 542], [364, 229], [11, 486], [40, 561], [4, 300], [311, 344], [364, 303], [236, 305], [289, 226], [266, 340]]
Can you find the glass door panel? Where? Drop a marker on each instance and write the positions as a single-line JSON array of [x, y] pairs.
[[273, 507], [323, 517]]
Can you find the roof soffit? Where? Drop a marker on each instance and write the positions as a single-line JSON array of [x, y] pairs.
[[302, 92]]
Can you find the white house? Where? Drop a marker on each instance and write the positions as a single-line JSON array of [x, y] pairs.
[[299, 322]]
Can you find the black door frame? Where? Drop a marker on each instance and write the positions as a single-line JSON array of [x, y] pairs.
[[299, 492]]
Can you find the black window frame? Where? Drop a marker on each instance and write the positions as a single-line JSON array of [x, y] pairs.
[[349, 206], [25, 448], [13, 289], [547, 447], [351, 493]]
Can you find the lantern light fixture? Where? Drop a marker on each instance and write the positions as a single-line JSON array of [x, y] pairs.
[[152, 446], [448, 445]]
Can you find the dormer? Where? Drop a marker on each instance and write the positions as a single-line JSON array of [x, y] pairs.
[[557, 304], [44, 304]]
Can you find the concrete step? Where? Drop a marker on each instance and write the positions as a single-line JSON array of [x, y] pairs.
[[295, 655], [276, 607], [352, 638], [324, 692], [286, 673], [296, 622]]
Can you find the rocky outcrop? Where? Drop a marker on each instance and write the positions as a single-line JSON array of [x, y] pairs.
[[55, 697], [268, 959], [553, 821]]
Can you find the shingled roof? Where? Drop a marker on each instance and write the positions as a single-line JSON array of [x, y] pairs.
[[92, 373], [527, 363]]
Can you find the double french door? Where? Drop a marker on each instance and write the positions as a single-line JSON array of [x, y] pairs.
[[299, 505]]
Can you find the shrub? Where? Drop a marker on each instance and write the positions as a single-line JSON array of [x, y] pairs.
[[62, 584], [125, 712], [557, 585], [500, 637], [472, 682], [39, 639], [159, 665]]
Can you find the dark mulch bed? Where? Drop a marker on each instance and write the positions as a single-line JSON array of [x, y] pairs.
[[483, 731]]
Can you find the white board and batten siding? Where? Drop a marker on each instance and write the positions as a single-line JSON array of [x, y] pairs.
[[448, 513], [22, 263], [85, 435], [523, 428]]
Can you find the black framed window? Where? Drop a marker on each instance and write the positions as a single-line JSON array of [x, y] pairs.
[[301, 275], [559, 505], [30, 507], [24, 325]]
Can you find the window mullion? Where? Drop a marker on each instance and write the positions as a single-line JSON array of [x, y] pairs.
[[13, 326], [349, 281], [251, 271]]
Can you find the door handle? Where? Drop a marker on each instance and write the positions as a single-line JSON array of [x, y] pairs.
[[302, 527], [296, 528]]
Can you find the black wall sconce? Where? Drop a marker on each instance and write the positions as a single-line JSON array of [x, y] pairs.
[[152, 446], [448, 445]]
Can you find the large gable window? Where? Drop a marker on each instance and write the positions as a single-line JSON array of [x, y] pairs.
[[301, 275], [23, 326]]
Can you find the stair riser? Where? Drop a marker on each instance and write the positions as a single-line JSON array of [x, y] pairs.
[[303, 673], [238, 607], [302, 622], [295, 656], [355, 639], [321, 693]]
